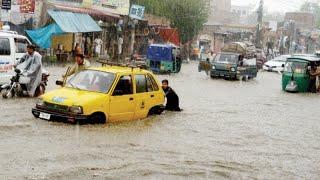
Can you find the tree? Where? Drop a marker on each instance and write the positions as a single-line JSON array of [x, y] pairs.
[[314, 8], [188, 16]]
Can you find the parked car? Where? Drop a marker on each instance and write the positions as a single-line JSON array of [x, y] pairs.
[[103, 94], [276, 64]]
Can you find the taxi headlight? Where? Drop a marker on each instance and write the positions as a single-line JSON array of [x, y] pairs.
[[40, 103], [75, 109], [233, 69], [213, 67]]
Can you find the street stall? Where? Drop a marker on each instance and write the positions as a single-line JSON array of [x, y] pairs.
[[59, 35]]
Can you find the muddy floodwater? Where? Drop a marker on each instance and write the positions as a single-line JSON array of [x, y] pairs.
[[228, 130]]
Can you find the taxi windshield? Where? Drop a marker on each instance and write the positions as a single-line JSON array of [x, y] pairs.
[[226, 58], [91, 80], [296, 67]]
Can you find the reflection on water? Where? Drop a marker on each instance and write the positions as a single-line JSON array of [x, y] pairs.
[[228, 129]]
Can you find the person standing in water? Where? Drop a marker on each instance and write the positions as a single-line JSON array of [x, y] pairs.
[[172, 97]]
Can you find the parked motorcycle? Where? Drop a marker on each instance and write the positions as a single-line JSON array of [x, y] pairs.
[[17, 86]]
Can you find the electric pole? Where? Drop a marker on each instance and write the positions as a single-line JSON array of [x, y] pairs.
[[259, 25]]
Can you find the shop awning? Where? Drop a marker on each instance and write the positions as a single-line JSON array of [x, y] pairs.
[[74, 22], [42, 36]]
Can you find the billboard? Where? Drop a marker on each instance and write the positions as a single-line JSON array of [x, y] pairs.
[[137, 12], [6, 4], [114, 6], [27, 6]]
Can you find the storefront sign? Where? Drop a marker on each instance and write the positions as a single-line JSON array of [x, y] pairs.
[[137, 12], [6, 4], [27, 6], [115, 6]]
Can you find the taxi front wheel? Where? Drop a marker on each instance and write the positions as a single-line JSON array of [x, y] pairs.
[[98, 118]]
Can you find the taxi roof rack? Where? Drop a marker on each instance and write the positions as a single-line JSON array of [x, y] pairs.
[[130, 65]]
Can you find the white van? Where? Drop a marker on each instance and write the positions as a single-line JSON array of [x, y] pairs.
[[12, 48]]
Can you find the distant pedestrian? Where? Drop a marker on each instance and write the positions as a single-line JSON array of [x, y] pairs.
[[98, 45], [77, 50], [172, 97]]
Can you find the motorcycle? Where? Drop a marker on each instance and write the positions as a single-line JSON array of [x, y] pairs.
[[17, 86]]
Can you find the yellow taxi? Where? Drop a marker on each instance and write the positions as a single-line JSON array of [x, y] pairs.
[[103, 94]]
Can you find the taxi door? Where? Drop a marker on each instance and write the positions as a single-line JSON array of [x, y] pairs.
[[147, 95], [122, 101], [142, 99]]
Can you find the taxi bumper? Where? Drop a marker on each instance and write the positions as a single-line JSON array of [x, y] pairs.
[[58, 116]]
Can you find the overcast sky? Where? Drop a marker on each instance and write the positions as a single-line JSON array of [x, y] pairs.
[[273, 5]]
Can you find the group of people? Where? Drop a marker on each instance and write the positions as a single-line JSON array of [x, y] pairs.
[[33, 69]]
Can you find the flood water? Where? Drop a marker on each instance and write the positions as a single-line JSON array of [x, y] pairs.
[[228, 130]]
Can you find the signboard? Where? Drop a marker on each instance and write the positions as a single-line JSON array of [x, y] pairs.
[[137, 12], [87, 3], [120, 7], [6, 4], [27, 6], [273, 25]]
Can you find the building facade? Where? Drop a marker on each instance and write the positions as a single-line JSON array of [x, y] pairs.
[[303, 20], [220, 11]]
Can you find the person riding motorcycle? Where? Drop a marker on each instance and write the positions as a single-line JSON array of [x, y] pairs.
[[31, 67]]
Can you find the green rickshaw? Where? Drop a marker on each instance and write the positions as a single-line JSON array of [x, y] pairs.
[[297, 73]]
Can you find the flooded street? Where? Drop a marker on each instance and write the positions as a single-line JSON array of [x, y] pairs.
[[228, 130]]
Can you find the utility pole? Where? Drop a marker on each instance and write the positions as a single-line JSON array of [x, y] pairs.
[[259, 25]]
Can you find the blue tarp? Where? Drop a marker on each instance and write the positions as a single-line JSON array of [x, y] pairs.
[[159, 52], [65, 22], [74, 22], [42, 36]]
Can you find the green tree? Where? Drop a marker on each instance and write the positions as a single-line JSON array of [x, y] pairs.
[[188, 16], [312, 8]]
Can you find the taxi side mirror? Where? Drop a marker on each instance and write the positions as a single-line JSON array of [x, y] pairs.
[[59, 83]]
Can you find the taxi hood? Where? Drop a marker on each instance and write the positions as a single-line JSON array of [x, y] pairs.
[[69, 96]]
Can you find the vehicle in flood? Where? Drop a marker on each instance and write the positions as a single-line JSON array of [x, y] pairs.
[[103, 94], [237, 60], [296, 76], [163, 58], [276, 64], [13, 47]]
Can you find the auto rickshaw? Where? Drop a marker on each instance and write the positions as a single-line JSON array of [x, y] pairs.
[[296, 76], [164, 58]]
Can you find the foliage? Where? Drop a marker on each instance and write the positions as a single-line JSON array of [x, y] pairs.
[[188, 16], [312, 8]]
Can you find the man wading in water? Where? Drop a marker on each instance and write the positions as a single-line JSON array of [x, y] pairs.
[[172, 97]]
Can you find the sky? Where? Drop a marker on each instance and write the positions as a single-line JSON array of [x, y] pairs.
[[273, 5]]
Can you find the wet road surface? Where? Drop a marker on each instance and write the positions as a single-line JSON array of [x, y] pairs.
[[228, 130]]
